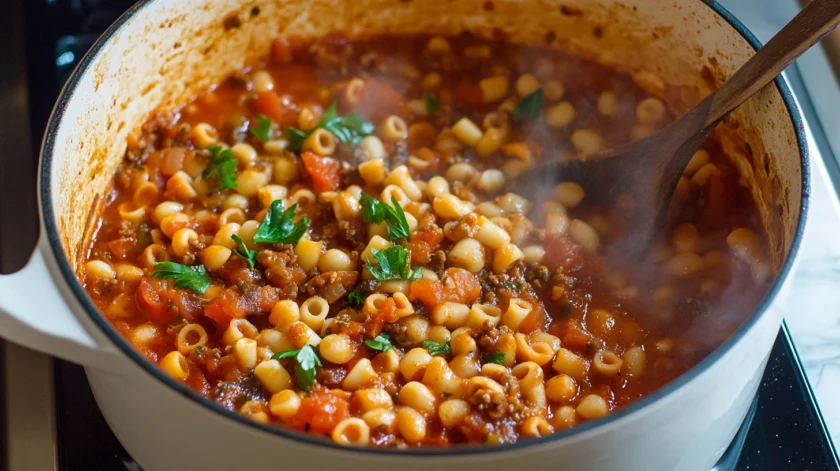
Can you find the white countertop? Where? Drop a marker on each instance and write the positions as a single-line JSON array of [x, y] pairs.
[[813, 313]]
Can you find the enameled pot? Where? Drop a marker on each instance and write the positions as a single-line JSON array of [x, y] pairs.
[[162, 52]]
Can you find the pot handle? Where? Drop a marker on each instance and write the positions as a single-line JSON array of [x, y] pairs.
[[35, 314]]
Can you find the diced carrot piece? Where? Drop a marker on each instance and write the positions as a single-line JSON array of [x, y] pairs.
[[324, 171]]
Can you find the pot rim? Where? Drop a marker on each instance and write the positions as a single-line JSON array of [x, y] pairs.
[[69, 277]]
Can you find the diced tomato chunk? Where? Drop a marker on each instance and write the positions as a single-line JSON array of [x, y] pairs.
[[575, 337], [226, 307], [324, 171], [428, 231], [464, 287], [458, 285], [281, 50], [353, 329], [420, 252], [430, 292], [149, 301], [562, 252], [269, 104], [387, 313], [534, 321], [321, 412], [378, 101], [469, 93], [123, 248]]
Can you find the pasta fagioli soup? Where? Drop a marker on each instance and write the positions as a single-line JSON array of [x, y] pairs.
[[328, 241]]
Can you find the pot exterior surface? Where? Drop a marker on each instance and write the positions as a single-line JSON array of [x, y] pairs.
[[687, 430], [684, 427]]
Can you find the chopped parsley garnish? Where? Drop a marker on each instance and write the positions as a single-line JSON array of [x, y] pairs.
[[194, 278], [431, 104], [376, 211], [497, 358], [262, 130], [307, 363], [530, 106], [382, 342], [349, 129], [222, 168], [393, 263], [436, 349], [356, 298], [244, 252], [279, 227]]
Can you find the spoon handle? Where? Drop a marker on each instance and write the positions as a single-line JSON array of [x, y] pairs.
[[816, 20]]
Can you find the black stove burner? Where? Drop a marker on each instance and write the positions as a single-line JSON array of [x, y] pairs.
[[783, 431]]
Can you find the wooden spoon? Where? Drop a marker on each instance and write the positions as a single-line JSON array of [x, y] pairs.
[[638, 181]]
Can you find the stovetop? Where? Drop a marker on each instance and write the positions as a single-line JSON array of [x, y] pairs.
[[783, 431]]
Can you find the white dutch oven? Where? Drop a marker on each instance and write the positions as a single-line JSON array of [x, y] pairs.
[[162, 52]]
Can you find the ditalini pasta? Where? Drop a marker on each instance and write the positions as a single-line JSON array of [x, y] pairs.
[[327, 241]]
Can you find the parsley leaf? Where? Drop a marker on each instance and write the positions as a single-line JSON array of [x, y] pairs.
[[497, 358], [296, 138], [356, 298], [243, 251], [431, 104], [393, 263], [194, 278], [382, 342], [530, 106], [262, 130], [376, 211], [437, 349], [307, 363], [222, 168], [349, 129], [373, 210], [279, 226], [286, 354]]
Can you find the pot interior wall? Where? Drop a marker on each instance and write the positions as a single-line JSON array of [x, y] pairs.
[[169, 51]]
